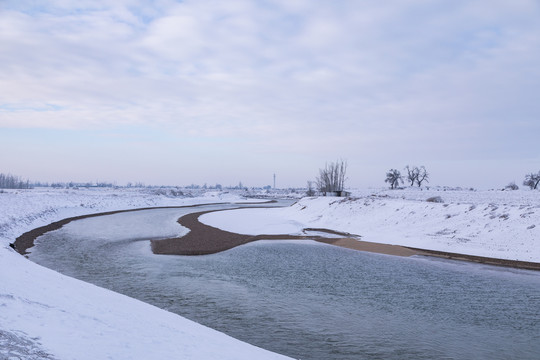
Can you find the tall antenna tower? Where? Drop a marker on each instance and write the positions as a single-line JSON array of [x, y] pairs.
[[274, 181]]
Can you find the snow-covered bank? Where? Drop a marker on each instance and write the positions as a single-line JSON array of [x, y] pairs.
[[498, 224], [44, 314], [23, 210]]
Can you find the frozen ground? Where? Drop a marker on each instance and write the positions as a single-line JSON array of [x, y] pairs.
[[498, 224], [45, 315]]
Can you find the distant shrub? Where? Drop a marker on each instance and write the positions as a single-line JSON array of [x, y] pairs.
[[435, 199], [176, 193], [511, 186], [160, 192]]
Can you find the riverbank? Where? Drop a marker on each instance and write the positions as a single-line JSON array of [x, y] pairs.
[[505, 231], [204, 239], [26, 241], [46, 315]]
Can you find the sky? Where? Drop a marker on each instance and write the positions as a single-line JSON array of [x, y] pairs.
[[180, 92]]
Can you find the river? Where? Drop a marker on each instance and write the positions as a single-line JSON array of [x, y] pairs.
[[305, 299]]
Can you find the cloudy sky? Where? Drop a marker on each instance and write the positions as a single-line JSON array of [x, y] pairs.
[[203, 91]]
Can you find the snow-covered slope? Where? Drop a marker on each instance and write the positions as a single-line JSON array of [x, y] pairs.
[[45, 315], [498, 224], [23, 210]]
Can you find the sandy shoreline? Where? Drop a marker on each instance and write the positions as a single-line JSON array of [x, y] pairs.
[[26, 240], [203, 239]]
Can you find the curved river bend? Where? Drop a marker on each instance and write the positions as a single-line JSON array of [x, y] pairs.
[[309, 300]]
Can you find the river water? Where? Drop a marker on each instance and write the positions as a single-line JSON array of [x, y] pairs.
[[309, 300]]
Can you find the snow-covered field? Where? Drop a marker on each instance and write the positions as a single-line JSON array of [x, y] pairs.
[[45, 315], [498, 224]]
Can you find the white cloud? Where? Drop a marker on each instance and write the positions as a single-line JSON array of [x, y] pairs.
[[398, 77]]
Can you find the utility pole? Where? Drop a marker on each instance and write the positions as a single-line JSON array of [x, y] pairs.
[[274, 181]]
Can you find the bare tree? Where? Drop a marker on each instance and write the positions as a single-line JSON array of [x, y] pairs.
[[332, 177], [422, 176], [393, 177], [417, 175], [532, 180], [412, 174]]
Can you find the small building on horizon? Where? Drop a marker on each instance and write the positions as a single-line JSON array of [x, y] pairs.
[[340, 193]]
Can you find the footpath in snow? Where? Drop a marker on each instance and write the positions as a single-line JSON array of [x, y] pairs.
[[496, 224], [46, 315]]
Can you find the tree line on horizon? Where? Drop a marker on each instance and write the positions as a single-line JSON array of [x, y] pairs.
[[8, 181], [331, 179]]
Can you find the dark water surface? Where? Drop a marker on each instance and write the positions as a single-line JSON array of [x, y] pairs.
[[309, 300]]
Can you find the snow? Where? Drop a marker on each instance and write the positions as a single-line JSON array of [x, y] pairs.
[[498, 224], [46, 315]]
